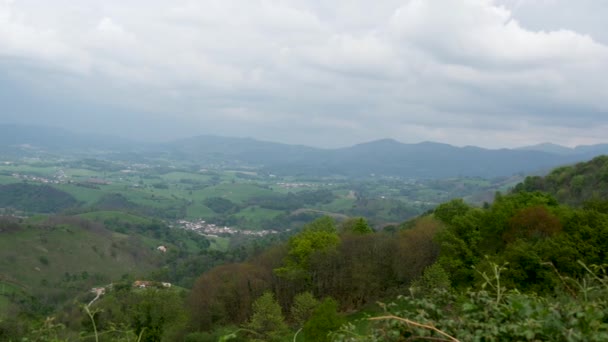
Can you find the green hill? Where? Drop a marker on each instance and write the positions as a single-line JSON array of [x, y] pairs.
[[35, 198], [573, 184], [55, 259]]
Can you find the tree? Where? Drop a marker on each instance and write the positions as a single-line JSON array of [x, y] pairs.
[[434, 277], [446, 212], [267, 319], [303, 306], [225, 294], [324, 320], [532, 223], [155, 313], [356, 226], [416, 249], [320, 235]]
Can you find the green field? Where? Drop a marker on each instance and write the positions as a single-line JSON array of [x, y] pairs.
[[171, 191], [82, 194], [7, 179], [236, 192], [198, 210], [101, 216], [257, 214], [338, 205]]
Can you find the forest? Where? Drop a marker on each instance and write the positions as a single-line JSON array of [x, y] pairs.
[[529, 266]]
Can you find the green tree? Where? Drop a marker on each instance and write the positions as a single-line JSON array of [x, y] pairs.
[[446, 212], [324, 320], [267, 319], [320, 235], [433, 278], [303, 306], [356, 226], [154, 313]]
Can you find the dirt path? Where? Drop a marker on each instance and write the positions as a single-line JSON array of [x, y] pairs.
[[98, 291]]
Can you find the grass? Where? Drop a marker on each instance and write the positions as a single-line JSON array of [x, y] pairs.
[[257, 214], [337, 205], [101, 216], [178, 176], [42, 259], [219, 243], [7, 179], [31, 169], [6, 290], [86, 195], [237, 192], [198, 210]]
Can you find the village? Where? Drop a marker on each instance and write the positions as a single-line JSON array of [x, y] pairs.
[[287, 185], [60, 178], [209, 229]]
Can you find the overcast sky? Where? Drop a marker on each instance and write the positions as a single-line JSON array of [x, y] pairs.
[[489, 73]]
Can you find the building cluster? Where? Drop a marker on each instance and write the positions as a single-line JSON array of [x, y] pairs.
[[38, 179], [142, 284], [210, 229], [296, 185], [287, 185]]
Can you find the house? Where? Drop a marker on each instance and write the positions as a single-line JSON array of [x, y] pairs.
[[162, 249], [145, 284], [142, 284]]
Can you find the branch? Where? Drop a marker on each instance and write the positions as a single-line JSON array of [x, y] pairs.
[[408, 322], [568, 288]]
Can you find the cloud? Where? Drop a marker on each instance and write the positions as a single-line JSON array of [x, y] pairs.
[[410, 69]]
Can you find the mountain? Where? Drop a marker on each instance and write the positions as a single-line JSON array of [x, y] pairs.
[[549, 148], [34, 139], [385, 157]]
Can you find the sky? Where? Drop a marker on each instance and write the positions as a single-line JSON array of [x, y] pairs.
[[490, 73]]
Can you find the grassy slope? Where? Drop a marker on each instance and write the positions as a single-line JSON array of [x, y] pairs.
[[100, 216], [39, 258]]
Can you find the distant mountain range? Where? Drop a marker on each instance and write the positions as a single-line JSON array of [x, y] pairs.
[[385, 157]]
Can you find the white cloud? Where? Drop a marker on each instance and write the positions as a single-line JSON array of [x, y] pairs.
[[423, 69]]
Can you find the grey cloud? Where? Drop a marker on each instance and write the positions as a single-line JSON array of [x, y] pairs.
[[313, 72]]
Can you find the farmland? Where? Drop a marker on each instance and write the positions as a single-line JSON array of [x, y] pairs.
[[171, 190]]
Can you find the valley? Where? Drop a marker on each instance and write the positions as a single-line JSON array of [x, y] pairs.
[[225, 234]]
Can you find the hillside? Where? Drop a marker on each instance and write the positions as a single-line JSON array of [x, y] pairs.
[[573, 184], [35, 198], [47, 262], [52, 262]]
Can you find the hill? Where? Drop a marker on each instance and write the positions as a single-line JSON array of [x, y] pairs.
[[573, 184], [55, 259], [35, 198], [45, 262]]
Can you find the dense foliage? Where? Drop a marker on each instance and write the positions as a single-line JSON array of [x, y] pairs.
[[574, 184], [35, 198]]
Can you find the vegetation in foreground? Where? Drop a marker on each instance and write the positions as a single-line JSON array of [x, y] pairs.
[[526, 267]]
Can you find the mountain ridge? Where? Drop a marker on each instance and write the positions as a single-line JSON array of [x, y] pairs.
[[386, 157]]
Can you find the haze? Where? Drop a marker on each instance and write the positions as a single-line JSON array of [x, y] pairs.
[[465, 72]]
